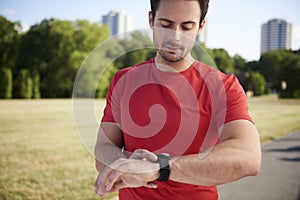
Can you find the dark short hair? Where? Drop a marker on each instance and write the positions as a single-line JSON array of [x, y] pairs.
[[203, 7]]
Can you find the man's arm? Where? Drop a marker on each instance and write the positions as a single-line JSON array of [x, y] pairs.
[[108, 149], [136, 171], [236, 156], [109, 145]]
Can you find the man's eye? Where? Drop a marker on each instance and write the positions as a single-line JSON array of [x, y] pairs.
[[166, 24], [187, 26]]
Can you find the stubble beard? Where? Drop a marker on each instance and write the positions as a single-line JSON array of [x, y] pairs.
[[171, 57]]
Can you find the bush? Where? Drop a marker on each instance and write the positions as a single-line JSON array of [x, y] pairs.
[[6, 83]]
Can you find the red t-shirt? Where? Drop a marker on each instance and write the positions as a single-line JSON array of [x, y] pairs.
[[175, 113]]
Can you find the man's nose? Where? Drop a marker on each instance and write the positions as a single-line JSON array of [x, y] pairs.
[[176, 34]]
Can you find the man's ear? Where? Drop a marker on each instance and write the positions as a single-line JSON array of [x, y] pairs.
[[201, 26], [150, 18]]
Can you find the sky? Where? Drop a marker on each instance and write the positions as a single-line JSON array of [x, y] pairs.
[[234, 25]]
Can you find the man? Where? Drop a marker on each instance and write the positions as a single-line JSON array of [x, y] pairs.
[[174, 128]]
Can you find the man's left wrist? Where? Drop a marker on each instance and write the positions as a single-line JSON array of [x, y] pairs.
[[164, 167], [156, 174]]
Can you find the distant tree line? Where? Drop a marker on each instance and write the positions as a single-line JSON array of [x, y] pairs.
[[43, 62]]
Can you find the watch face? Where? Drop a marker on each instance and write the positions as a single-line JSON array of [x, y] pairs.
[[163, 155]]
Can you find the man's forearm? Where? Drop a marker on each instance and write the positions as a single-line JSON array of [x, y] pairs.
[[222, 164], [107, 154], [236, 156], [108, 145]]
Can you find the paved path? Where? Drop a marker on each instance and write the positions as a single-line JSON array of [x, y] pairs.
[[279, 178]]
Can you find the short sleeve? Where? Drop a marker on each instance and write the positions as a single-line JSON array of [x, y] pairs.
[[109, 114], [235, 105]]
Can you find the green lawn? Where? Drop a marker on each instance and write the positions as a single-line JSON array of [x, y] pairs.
[[275, 118], [42, 156]]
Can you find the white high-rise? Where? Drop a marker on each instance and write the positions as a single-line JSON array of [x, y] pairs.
[[118, 22], [276, 34]]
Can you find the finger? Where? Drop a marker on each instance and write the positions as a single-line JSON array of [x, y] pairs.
[[117, 186], [101, 180], [135, 153], [96, 189], [99, 195], [112, 179], [140, 151], [144, 154], [151, 185]]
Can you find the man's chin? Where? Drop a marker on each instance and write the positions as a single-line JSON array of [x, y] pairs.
[[172, 57]]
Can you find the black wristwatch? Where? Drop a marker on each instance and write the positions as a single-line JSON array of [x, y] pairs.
[[164, 167]]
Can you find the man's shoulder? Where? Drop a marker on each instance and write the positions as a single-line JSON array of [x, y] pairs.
[[125, 70], [207, 70], [213, 74]]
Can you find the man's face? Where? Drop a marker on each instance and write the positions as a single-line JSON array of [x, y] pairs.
[[175, 28]]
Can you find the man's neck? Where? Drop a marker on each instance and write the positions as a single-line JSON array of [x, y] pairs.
[[179, 66]]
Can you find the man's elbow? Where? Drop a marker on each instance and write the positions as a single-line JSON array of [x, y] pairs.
[[253, 165], [255, 170]]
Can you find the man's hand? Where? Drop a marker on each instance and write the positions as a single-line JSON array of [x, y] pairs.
[[143, 154], [137, 171]]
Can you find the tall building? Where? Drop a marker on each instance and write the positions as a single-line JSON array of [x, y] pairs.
[[276, 34], [118, 22]]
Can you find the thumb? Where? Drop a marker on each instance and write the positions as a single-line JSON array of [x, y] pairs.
[[141, 154]]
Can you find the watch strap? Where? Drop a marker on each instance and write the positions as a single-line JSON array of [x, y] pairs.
[[164, 167]]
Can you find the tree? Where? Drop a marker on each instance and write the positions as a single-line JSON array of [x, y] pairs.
[[252, 66], [239, 63], [118, 53], [289, 76], [6, 83], [36, 93], [135, 49], [256, 83], [282, 66], [92, 69], [105, 81], [223, 60], [88, 35], [9, 42], [23, 86], [270, 64], [55, 49], [203, 54]]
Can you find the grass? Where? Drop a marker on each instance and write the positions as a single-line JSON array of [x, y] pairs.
[[274, 117], [42, 156]]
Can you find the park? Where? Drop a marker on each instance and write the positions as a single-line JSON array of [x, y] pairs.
[[43, 157], [42, 153]]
